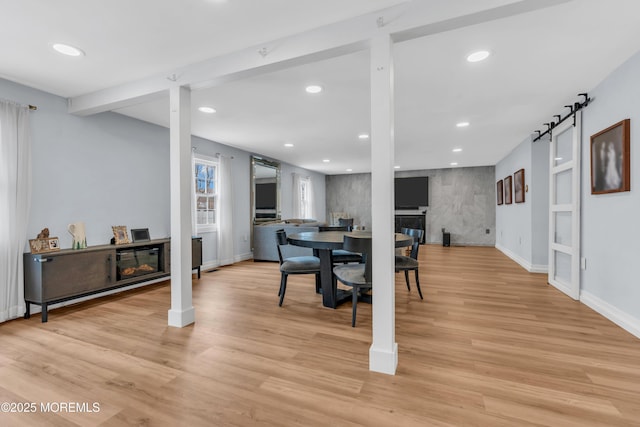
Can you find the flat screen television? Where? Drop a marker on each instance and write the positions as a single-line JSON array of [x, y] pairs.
[[266, 196], [411, 192]]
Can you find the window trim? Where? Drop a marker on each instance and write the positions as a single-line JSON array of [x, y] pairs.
[[209, 161]]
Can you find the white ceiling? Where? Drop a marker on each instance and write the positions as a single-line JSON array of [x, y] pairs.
[[540, 61]]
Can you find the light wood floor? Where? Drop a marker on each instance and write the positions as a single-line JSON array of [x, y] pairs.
[[491, 345]]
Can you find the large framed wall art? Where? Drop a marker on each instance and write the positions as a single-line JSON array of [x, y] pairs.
[[610, 165]]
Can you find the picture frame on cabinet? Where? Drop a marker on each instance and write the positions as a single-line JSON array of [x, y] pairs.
[[40, 246], [120, 235]]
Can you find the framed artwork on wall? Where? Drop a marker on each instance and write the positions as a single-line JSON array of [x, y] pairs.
[[500, 192], [518, 186], [610, 165], [507, 190]]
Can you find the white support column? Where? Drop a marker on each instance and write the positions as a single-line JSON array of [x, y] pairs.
[[181, 312], [383, 354]]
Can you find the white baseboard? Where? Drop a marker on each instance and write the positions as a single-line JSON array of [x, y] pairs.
[[539, 268], [383, 360], [624, 320], [210, 265], [181, 318], [531, 268], [244, 257]]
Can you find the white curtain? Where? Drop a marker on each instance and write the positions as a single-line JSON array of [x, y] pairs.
[[303, 205], [15, 197], [310, 208], [298, 207], [194, 210], [225, 212]]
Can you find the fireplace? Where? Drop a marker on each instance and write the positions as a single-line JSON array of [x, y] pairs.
[[412, 221], [136, 262]]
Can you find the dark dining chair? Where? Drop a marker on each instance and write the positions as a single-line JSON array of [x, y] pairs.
[[322, 228], [295, 265], [341, 256], [408, 263], [358, 276], [346, 222]]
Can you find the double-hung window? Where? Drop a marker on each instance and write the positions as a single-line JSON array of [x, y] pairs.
[[206, 193]]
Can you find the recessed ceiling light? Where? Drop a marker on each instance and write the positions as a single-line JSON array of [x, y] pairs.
[[457, 150], [326, 160], [396, 167], [208, 110], [66, 49], [288, 144], [363, 136], [453, 164], [462, 124], [313, 89], [349, 170], [478, 56]]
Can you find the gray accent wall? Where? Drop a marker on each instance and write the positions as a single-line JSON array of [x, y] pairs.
[[350, 194], [461, 200]]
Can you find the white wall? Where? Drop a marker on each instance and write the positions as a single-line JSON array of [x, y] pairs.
[[104, 170], [522, 228], [513, 221], [286, 190], [538, 181], [109, 169], [610, 230], [241, 208], [242, 205]]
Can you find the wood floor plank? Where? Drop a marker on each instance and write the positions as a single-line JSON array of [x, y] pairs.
[[490, 345]]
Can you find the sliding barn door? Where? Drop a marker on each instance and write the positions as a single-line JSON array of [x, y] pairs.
[[564, 208]]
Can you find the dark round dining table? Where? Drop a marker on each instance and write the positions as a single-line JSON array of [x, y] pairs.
[[323, 243]]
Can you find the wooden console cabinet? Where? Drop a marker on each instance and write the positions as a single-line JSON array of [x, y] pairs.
[[54, 277]]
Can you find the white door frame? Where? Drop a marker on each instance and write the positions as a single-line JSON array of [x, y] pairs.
[[556, 167]]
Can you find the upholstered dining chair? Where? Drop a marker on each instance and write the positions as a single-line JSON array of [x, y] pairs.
[[408, 263], [341, 256], [334, 216], [358, 276], [346, 222], [295, 265]]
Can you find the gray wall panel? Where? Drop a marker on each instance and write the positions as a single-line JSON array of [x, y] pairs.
[[461, 200]]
